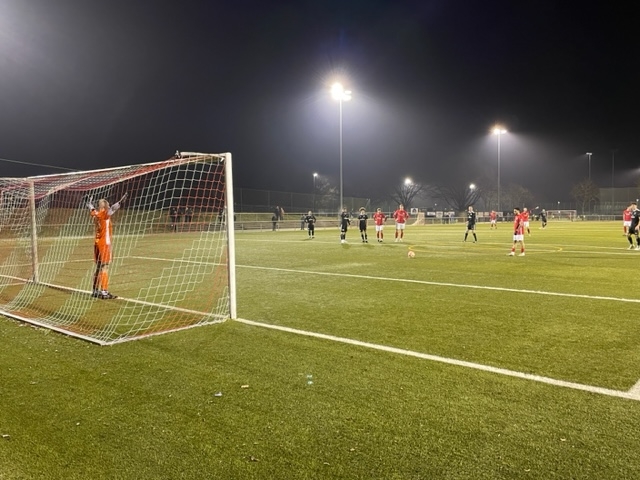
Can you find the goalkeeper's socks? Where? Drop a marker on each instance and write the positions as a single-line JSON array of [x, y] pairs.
[[104, 281]]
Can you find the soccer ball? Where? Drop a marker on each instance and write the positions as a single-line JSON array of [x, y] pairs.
[[411, 254]]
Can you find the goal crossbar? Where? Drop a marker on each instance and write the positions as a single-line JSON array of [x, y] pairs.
[[53, 268]]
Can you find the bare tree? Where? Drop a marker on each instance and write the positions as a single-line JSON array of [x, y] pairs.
[[407, 192], [584, 193], [488, 192], [326, 194], [516, 196], [458, 197], [489, 197]]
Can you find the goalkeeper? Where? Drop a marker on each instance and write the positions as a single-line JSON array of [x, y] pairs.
[[102, 245]]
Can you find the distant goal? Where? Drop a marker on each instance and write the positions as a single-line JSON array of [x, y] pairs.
[[172, 263], [563, 215]]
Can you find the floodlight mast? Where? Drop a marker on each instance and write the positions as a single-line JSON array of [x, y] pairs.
[[499, 131], [341, 95], [315, 175]]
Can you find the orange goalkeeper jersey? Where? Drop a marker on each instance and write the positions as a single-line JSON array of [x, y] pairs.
[[104, 229]]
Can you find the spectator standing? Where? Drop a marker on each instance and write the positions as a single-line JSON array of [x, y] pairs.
[[173, 218]]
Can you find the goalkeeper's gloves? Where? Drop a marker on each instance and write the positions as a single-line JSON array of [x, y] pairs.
[[124, 197], [90, 203]]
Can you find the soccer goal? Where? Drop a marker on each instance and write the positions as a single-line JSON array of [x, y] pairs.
[[570, 215], [166, 251]]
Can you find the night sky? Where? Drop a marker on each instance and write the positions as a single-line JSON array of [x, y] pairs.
[[87, 84]]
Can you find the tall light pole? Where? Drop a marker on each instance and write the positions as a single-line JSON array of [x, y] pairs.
[[499, 131], [589, 155], [315, 175], [341, 95], [613, 162]]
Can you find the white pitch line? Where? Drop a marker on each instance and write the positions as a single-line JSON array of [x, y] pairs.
[[635, 390], [536, 248], [629, 395], [446, 284], [624, 251]]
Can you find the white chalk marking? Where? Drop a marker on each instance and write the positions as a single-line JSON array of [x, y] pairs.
[[447, 284], [632, 394]]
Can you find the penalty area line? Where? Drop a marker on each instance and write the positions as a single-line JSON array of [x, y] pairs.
[[447, 284], [632, 394]]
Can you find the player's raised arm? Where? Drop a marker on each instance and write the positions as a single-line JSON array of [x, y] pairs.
[[90, 203], [117, 205]]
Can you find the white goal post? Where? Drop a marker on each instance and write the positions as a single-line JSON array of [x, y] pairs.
[[121, 253], [566, 215]]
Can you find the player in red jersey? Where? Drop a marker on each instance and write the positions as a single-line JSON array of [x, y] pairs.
[[525, 220], [633, 227], [102, 245], [400, 216], [518, 232], [492, 219], [626, 220], [379, 218]]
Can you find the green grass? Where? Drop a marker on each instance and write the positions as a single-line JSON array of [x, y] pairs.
[[144, 272], [148, 409]]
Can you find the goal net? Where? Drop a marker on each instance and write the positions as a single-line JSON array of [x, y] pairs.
[[568, 215], [165, 252]]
